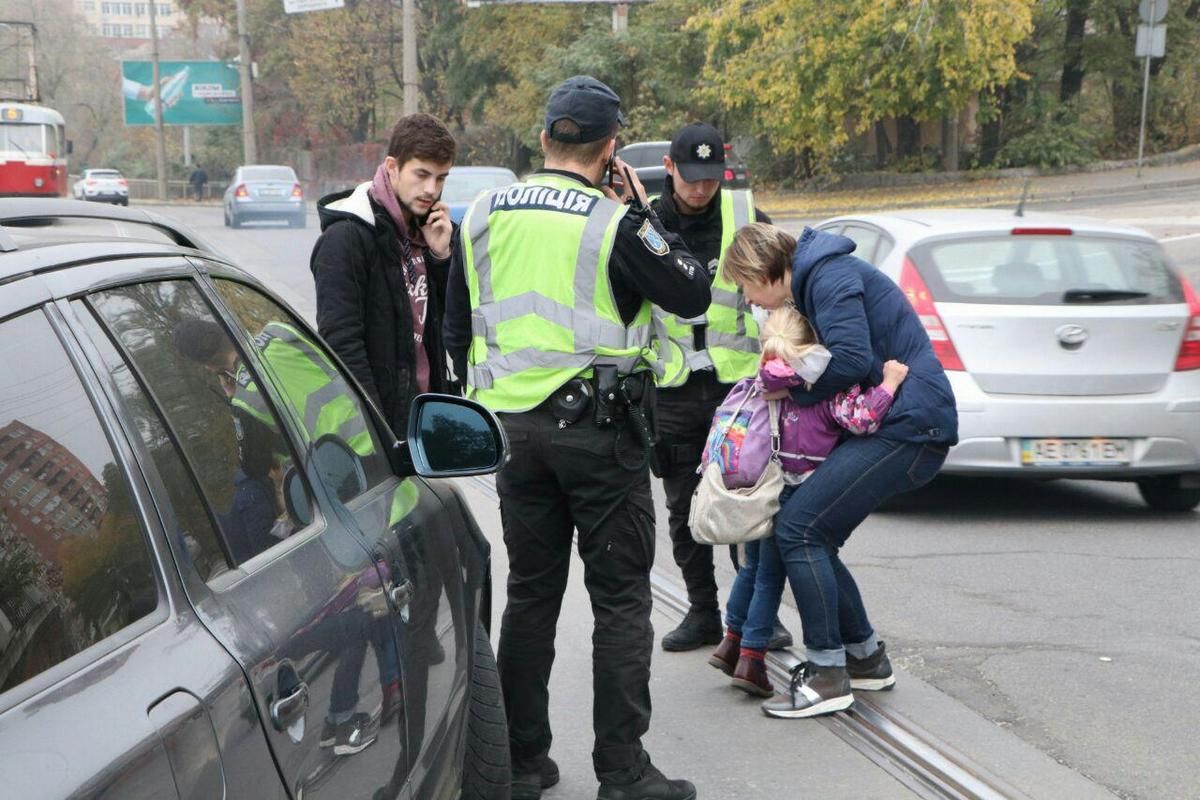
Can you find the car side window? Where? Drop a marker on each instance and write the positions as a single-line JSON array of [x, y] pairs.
[[320, 397], [210, 398], [867, 240], [75, 567]]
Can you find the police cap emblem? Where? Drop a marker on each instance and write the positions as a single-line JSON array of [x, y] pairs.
[[653, 240]]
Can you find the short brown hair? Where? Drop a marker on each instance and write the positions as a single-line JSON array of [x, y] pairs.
[[421, 136], [586, 153], [759, 253]]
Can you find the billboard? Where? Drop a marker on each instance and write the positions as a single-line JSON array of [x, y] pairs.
[[193, 93]]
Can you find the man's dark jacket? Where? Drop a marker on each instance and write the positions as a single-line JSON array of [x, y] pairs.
[[363, 309]]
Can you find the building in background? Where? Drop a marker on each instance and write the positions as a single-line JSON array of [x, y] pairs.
[[125, 19]]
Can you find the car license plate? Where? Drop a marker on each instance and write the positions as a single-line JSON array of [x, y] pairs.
[[1074, 452], [270, 192]]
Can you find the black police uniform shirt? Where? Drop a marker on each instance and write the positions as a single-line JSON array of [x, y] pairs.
[[647, 262], [701, 234]]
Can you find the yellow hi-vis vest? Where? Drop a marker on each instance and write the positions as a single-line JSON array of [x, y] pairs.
[[731, 335], [542, 309], [311, 385]]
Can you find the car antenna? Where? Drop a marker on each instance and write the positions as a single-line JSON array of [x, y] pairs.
[[1020, 212]]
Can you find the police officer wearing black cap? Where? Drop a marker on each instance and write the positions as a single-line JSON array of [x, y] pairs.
[[709, 352], [549, 323]]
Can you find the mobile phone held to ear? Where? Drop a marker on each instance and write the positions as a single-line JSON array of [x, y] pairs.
[[612, 169]]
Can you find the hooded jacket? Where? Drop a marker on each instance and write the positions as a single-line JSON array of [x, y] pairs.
[[363, 308], [864, 319]]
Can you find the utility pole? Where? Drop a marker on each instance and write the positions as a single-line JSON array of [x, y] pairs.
[[249, 146], [411, 78], [160, 144]]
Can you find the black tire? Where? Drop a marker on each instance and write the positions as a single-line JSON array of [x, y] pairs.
[[234, 222], [297, 221], [1167, 494], [487, 770]]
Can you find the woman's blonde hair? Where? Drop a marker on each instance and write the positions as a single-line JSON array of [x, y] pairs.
[[759, 253], [787, 334]]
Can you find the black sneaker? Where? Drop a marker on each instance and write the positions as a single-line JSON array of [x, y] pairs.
[[529, 785], [871, 674], [699, 628], [653, 785], [781, 637], [812, 691], [354, 735]]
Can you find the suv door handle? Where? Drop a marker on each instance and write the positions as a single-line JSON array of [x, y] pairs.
[[285, 709], [401, 595]]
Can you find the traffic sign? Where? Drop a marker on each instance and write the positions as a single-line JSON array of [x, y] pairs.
[[1151, 41], [1157, 8]]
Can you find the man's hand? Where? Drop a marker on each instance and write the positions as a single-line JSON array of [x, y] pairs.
[[627, 181], [437, 230]]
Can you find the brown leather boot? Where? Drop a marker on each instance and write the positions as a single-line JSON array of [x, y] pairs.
[[725, 657], [750, 675]]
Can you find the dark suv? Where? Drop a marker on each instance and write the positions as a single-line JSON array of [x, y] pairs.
[[220, 573], [646, 159]]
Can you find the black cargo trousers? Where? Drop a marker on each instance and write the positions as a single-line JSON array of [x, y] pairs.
[[557, 481], [684, 416]]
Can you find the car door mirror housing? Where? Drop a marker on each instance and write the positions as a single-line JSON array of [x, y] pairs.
[[450, 436]]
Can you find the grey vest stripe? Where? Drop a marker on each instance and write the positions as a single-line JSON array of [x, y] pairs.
[[726, 298], [286, 335], [599, 332], [483, 376], [588, 259], [699, 359], [731, 341], [316, 402], [477, 229], [741, 209]]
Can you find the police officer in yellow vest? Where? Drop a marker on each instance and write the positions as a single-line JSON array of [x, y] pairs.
[[707, 354], [549, 323]]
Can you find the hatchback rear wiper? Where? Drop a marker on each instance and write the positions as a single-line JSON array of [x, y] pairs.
[[1101, 295]]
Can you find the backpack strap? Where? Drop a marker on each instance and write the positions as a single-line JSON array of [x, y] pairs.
[[773, 408]]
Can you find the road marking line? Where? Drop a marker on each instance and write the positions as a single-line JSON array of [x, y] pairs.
[[1180, 238]]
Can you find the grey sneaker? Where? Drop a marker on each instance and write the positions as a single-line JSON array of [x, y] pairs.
[[873, 673], [812, 691]]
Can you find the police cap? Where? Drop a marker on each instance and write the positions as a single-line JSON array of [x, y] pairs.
[[698, 153], [587, 102]]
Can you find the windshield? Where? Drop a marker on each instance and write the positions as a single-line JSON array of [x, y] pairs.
[[463, 187], [22, 137], [1048, 270], [268, 174]]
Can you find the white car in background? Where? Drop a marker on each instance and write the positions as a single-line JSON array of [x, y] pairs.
[[1072, 345], [102, 185]]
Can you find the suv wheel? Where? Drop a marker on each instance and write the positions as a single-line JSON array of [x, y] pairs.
[[1168, 494], [487, 773]]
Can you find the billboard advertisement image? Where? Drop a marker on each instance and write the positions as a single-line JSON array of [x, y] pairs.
[[193, 93]]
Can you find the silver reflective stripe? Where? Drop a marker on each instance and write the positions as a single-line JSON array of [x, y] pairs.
[[699, 359], [480, 233], [726, 298], [483, 376], [316, 401], [730, 341], [592, 329], [587, 263], [700, 320], [741, 209]]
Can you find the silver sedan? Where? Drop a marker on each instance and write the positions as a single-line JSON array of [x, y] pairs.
[[1072, 345]]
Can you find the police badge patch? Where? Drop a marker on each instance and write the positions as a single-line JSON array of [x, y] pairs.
[[653, 240]]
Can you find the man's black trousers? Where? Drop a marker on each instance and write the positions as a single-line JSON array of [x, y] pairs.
[[684, 416], [555, 482]]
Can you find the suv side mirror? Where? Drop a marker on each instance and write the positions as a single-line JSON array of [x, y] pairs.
[[450, 436]]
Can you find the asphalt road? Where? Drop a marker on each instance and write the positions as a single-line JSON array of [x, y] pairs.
[[1064, 613]]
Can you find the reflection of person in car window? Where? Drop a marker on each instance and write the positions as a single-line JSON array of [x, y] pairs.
[[250, 523]]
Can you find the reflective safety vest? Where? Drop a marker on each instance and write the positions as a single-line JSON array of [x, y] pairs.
[[542, 308], [310, 384], [731, 334]]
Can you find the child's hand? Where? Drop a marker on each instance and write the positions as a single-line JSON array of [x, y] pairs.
[[894, 374]]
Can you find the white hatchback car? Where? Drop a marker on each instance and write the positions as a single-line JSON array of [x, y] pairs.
[[1072, 346], [102, 185]]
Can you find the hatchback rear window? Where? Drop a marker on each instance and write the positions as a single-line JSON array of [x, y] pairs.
[[268, 174], [1047, 270], [104, 173]]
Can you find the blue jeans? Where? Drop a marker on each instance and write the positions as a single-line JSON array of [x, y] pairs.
[[819, 517], [757, 589]]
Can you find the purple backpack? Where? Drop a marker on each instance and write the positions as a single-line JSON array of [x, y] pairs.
[[739, 440]]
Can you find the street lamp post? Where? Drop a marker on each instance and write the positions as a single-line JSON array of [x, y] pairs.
[[160, 145]]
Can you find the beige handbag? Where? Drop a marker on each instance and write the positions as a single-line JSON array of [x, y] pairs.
[[730, 516]]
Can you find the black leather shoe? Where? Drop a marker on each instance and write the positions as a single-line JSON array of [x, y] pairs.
[[699, 628], [529, 785], [781, 637], [653, 785]]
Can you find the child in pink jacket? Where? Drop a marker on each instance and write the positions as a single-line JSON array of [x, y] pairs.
[[791, 357]]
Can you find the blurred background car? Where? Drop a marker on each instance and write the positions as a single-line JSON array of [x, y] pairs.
[[102, 185], [646, 159], [264, 192], [1072, 345], [464, 184]]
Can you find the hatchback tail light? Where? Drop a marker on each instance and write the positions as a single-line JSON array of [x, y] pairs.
[[123, 182], [297, 191], [917, 292], [90, 182], [1189, 349], [240, 191]]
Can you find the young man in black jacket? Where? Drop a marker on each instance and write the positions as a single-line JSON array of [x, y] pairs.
[[380, 267]]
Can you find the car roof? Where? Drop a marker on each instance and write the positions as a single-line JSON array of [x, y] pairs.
[[664, 144], [916, 224], [21, 217], [102, 169]]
